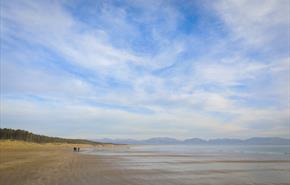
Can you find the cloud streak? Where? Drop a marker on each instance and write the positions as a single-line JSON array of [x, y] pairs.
[[134, 69]]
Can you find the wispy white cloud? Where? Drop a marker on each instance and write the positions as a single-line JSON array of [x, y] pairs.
[[97, 73], [263, 24]]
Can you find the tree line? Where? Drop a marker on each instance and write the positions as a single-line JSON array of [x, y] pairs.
[[12, 134]]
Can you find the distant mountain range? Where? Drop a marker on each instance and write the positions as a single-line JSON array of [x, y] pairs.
[[197, 141]]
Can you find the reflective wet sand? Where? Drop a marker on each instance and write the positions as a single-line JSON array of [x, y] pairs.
[[169, 165]]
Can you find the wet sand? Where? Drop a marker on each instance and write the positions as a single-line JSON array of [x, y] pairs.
[[58, 165]]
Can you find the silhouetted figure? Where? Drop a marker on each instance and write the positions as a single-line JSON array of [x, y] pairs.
[[78, 149], [75, 149]]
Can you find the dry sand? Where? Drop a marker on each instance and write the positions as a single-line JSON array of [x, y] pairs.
[[50, 164]]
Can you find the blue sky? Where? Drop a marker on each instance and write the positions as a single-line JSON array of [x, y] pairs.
[[140, 69]]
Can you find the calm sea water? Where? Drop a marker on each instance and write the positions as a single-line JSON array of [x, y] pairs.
[[186, 164]]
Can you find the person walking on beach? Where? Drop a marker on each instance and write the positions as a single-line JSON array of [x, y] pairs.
[[78, 149]]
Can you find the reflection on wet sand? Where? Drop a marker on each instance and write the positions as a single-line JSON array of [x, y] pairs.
[[146, 165]]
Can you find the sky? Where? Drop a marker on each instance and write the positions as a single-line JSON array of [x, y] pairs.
[[146, 68]]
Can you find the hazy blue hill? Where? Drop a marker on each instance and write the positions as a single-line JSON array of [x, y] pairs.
[[162, 140], [195, 141], [225, 141], [119, 141], [267, 141]]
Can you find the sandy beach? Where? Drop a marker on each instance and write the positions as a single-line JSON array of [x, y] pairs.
[[50, 164], [33, 164]]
